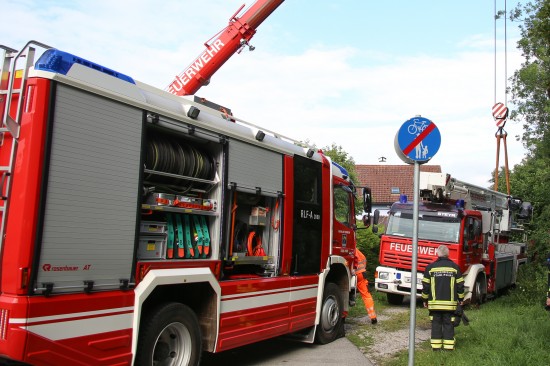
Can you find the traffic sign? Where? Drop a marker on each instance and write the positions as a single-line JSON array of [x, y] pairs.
[[500, 114], [418, 140]]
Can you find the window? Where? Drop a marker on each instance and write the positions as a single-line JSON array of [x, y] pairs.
[[341, 205], [430, 227]]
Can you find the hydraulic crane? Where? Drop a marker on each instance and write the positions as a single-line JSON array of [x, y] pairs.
[[222, 46]]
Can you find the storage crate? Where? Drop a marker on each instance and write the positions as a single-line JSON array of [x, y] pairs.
[[152, 227], [152, 247], [258, 216]]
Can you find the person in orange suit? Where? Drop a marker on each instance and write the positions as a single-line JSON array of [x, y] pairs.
[[360, 264]]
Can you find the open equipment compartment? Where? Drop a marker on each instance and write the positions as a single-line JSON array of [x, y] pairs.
[[181, 191]]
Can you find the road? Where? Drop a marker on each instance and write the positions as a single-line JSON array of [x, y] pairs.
[[280, 351]]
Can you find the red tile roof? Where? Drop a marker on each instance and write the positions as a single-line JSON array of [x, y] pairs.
[[382, 178]]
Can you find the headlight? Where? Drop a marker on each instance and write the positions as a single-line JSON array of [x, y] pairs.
[[384, 275], [418, 280]]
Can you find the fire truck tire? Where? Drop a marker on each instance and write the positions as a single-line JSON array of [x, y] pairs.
[[331, 323], [171, 336], [479, 294], [395, 299]]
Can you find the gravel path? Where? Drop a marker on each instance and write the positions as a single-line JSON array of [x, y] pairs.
[[386, 343]]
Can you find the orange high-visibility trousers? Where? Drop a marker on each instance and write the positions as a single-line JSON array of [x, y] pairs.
[[363, 287]]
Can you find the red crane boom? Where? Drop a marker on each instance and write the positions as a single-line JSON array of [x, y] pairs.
[[222, 46]]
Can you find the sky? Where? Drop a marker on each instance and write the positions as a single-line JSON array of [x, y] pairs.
[[346, 72]]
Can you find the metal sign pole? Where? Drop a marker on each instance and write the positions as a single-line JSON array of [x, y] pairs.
[[416, 143], [416, 197]]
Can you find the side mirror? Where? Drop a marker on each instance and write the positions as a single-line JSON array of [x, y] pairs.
[[376, 217], [367, 200]]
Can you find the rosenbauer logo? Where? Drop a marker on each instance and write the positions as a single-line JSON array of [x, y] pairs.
[[407, 248], [49, 268]]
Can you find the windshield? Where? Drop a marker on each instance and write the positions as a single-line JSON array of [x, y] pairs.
[[437, 228]]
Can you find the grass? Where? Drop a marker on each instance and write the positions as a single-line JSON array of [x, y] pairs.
[[505, 331]]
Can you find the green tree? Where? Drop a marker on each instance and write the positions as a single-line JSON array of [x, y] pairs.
[[531, 97], [337, 154], [531, 83]]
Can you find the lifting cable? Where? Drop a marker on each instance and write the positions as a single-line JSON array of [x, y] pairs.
[[496, 17], [501, 133]]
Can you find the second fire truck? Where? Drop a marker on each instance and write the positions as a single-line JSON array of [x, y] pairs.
[[476, 224]]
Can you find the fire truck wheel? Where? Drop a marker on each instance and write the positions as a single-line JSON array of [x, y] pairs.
[[479, 294], [394, 299], [170, 336], [331, 323]]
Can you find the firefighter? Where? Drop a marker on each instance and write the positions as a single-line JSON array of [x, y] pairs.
[[442, 290], [363, 284]]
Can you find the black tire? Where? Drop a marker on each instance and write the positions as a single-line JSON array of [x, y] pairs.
[[169, 336], [331, 323], [395, 299], [479, 292]]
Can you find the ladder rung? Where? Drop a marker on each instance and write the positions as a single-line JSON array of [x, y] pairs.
[[13, 91], [4, 168]]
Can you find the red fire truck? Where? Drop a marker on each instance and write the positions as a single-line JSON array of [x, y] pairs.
[[140, 227], [476, 223]]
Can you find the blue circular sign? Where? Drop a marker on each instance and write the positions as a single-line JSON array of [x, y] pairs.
[[418, 140]]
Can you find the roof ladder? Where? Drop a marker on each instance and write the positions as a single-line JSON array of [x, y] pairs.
[[10, 77]]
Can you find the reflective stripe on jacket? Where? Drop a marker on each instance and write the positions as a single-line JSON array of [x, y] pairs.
[[442, 285], [360, 261]]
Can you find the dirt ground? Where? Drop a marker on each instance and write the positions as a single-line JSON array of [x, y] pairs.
[[385, 343]]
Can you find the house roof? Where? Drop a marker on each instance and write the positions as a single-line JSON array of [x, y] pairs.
[[387, 182]]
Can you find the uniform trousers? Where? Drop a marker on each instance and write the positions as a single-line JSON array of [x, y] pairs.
[[443, 331]]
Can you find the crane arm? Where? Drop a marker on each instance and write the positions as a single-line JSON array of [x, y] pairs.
[[221, 47]]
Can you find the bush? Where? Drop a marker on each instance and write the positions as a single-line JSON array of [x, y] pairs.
[[531, 285]]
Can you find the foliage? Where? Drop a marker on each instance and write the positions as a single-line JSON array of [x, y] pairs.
[[338, 155], [531, 96], [531, 83], [531, 287]]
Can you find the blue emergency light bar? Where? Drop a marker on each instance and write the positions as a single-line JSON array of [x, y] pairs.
[[460, 203], [402, 198], [342, 169], [60, 62]]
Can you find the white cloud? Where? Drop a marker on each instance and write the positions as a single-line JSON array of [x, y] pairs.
[[355, 97], [319, 96]]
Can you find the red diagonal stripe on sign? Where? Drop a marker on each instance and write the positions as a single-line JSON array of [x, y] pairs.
[[419, 138]]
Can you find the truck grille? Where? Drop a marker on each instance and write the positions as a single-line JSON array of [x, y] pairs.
[[403, 261]]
